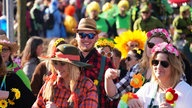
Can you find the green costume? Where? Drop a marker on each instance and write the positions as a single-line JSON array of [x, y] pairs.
[[148, 24], [123, 21], [15, 68], [180, 25], [102, 25]]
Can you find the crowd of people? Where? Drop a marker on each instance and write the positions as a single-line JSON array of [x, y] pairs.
[[114, 54]]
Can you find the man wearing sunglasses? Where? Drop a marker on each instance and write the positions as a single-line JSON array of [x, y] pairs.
[[86, 36]]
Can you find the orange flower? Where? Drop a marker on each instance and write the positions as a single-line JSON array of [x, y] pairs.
[[137, 80]]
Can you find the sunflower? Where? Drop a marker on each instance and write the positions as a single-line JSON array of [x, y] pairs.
[[3, 103], [135, 36], [17, 93]]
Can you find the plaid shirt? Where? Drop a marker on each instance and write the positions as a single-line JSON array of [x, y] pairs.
[[94, 58], [123, 85], [85, 90]]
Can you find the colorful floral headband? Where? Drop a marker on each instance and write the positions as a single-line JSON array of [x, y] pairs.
[[102, 42], [159, 30], [165, 47], [1, 47]]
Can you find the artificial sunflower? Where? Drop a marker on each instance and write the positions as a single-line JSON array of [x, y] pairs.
[[17, 93], [3, 103], [136, 36], [103, 42]]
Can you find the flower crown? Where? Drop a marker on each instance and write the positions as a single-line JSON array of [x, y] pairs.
[[165, 47], [159, 30], [1, 47], [58, 41], [102, 42]]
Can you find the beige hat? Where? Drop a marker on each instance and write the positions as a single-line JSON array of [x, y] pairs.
[[5, 42], [145, 8], [87, 24]]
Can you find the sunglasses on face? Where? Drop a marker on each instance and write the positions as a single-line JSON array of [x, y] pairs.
[[109, 54], [165, 64], [89, 35], [128, 59], [5, 50], [58, 63], [150, 45]]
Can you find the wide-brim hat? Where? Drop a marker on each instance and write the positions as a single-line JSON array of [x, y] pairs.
[[5, 42], [67, 53], [87, 24]]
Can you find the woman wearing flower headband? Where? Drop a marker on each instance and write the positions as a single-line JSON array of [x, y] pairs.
[[166, 89], [67, 86], [115, 91], [105, 46], [13, 92]]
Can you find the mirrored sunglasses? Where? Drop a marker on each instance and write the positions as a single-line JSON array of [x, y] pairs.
[[61, 63], [109, 54], [150, 45], [89, 35], [165, 64]]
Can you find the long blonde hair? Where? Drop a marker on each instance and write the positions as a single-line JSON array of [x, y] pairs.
[[74, 73], [176, 67]]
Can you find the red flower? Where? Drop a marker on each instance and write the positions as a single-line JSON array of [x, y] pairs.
[[171, 96]]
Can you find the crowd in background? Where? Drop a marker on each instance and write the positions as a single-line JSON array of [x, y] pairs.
[[85, 53]]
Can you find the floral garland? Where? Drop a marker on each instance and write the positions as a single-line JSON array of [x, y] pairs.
[[165, 47], [4, 103], [102, 42], [127, 36], [159, 30], [171, 96], [58, 41], [137, 80]]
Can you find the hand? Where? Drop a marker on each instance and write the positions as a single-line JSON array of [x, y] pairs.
[[135, 103], [165, 105], [4, 94], [50, 104], [111, 73]]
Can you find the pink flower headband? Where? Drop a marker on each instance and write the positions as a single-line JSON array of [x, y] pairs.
[[165, 47], [159, 30]]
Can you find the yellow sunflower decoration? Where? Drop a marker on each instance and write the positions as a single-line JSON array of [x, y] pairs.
[[103, 42], [136, 36]]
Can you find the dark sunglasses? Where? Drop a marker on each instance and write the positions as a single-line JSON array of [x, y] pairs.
[[89, 35], [150, 45], [165, 64], [5, 49], [109, 54], [58, 63], [145, 12], [128, 59]]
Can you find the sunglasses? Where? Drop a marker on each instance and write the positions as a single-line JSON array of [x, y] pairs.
[[109, 54], [165, 64], [89, 35], [128, 59], [150, 45], [58, 63], [145, 12], [5, 50]]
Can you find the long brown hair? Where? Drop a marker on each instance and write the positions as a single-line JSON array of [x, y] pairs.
[[3, 70]]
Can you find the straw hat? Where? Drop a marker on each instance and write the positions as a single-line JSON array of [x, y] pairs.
[[5, 42], [87, 24], [67, 53]]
